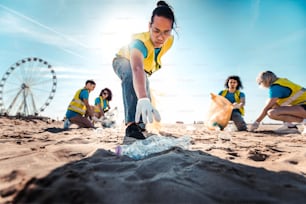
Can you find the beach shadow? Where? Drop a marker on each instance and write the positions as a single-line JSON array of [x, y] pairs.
[[172, 176], [272, 133], [55, 130]]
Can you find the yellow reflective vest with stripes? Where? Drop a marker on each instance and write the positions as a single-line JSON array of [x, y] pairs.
[[294, 89], [76, 104], [150, 65]]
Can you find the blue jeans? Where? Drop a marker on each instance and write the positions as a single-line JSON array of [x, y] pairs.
[[122, 68]]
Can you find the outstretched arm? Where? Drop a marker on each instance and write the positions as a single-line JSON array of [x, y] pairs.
[[139, 79], [144, 107], [88, 108], [270, 103]]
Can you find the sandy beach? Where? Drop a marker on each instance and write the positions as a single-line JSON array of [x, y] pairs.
[[42, 163]]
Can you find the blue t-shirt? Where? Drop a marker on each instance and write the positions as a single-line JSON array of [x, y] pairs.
[[83, 95], [231, 96], [278, 91], [138, 44]]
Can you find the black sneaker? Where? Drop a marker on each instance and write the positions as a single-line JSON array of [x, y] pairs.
[[142, 126], [134, 131]]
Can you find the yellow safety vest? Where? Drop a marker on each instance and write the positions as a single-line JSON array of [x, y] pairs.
[[295, 88], [237, 99], [97, 109], [76, 104], [150, 65]]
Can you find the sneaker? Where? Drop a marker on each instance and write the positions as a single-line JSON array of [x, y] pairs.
[[285, 129], [66, 124], [134, 131], [142, 127]]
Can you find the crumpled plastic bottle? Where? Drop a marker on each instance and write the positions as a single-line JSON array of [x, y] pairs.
[[153, 144]]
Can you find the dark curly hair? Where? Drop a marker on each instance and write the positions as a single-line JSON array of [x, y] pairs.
[[236, 78]]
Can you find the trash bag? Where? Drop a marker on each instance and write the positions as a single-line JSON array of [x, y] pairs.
[[220, 112]]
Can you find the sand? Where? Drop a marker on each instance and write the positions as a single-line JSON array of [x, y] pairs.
[[42, 163]]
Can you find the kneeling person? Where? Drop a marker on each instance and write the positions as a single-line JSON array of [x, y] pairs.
[[79, 109]]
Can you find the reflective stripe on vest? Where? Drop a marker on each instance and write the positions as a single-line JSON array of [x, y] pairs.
[[76, 104], [297, 96]]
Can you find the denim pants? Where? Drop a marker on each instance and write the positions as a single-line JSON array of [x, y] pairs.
[[122, 68], [237, 118]]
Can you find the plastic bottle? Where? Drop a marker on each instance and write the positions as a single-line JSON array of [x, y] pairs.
[[226, 134], [230, 127], [98, 130], [153, 144], [110, 118], [66, 124]]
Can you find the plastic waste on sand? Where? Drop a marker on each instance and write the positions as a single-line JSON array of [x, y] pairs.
[[153, 144], [227, 132], [220, 111]]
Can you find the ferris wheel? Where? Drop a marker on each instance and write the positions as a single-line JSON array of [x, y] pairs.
[[27, 87]]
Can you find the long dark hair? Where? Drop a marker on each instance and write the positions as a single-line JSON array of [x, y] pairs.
[[234, 77], [164, 10], [110, 94]]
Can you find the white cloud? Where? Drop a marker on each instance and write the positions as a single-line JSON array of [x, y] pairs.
[[22, 26], [256, 12]]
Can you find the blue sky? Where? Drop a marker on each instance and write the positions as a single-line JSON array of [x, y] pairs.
[[215, 39]]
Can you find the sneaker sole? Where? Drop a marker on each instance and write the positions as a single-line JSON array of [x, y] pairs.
[[289, 131]]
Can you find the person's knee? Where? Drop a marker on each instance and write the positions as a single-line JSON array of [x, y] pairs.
[[123, 69], [235, 116], [272, 113]]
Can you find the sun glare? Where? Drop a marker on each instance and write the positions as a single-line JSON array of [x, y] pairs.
[[117, 31]]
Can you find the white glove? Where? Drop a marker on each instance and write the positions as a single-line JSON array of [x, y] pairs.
[[237, 105], [254, 126], [145, 109]]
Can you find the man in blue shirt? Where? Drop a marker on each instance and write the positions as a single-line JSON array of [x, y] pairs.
[[79, 108]]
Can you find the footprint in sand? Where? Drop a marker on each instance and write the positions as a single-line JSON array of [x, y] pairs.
[[257, 156], [293, 162]]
